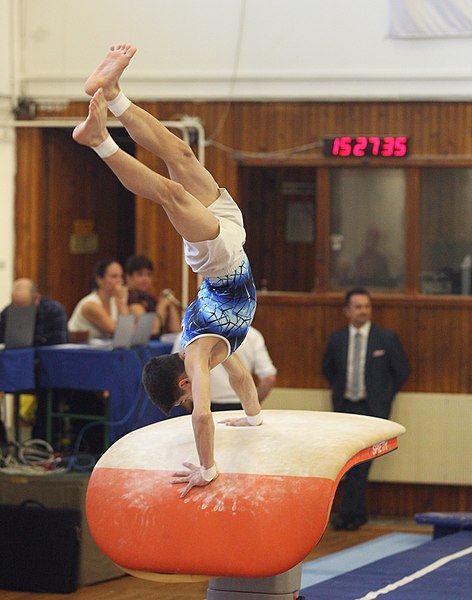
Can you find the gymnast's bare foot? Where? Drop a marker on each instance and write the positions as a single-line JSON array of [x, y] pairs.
[[93, 131], [108, 72]]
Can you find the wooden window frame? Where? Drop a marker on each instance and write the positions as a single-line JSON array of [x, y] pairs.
[[412, 166]]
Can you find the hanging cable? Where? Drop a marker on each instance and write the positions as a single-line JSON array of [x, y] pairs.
[[274, 154], [234, 73]]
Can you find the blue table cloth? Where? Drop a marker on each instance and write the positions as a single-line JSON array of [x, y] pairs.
[[118, 371], [17, 370]]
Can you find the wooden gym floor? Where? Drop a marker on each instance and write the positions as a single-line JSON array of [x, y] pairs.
[[130, 588]]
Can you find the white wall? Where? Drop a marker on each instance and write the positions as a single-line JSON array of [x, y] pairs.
[[273, 49], [7, 157]]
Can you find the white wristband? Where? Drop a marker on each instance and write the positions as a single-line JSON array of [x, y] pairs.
[[255, 419], [106, 148], [209, 474], [118, 105]]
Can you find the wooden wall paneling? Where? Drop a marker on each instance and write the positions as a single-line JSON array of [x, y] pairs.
[[146, 226], [222, 163], [401, 122], [436, 145], [296, 332], [402, 319], [257, 239], [155, 235], [225, 124], [466, 127], [157, 239], [81, 188], [329, 317], [322, 223], [30, 195], [71, 196], [267, 126], [420, 143], [252, 126], [399, 499], [451, 134], [58, 182], [464, 339], [427, 143], [441, 366], [67, 185], [284, 326], [437, 365]]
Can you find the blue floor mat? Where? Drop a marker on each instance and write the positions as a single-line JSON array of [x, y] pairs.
[[338, 563], [437, 570]]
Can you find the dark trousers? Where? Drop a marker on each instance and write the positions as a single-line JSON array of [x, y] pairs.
[[355, 482]]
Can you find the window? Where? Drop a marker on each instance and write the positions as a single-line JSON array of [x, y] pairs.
[[367, 215], [446, 231], [346, 226]]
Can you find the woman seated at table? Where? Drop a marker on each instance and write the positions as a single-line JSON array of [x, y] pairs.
[[97, 313], [138, 273]]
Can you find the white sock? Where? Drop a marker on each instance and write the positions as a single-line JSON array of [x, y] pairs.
[[106, 148], [119, 104]]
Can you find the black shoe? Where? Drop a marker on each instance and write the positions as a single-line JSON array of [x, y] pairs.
[[356, 522], [339, 522], [348, 523]]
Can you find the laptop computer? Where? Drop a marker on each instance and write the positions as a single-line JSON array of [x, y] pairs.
[[19, 326], [124, 331], [142, 334]]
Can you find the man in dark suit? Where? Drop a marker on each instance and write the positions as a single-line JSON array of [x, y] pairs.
[[365, 366]]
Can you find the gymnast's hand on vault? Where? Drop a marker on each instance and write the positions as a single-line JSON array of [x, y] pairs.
[[240, 422], [193, 478]]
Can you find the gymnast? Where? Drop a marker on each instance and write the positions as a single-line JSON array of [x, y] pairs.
[[212, 228]]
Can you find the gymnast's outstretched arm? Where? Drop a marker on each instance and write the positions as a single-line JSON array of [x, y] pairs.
[[198, 358], [243, 384]]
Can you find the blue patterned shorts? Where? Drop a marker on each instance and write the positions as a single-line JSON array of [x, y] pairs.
[[224, 306]]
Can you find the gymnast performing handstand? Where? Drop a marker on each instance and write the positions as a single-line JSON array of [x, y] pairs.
[[212, 229]]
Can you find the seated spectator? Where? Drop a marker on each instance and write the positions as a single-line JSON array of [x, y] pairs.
[[51, 319], [138, 273], [255, 357], [98, 312], [50, 325]]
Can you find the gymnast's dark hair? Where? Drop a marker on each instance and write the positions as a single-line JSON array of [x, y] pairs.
[[160, 376]]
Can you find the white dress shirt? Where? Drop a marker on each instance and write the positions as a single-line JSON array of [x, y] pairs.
[[364, 333]]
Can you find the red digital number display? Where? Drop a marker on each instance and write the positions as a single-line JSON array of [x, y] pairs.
[[358, 146]]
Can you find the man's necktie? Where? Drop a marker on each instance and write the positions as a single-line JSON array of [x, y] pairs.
[[356, 367]]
